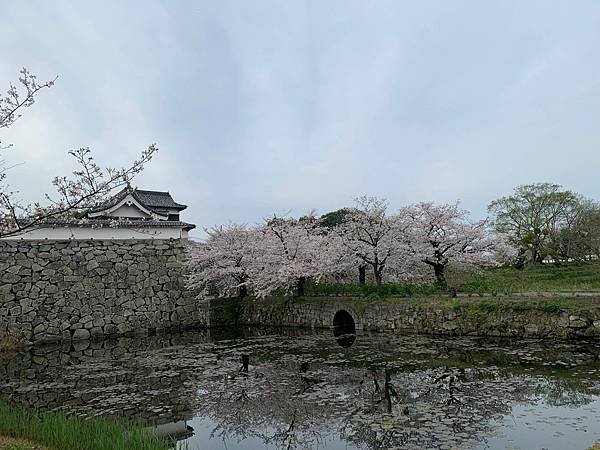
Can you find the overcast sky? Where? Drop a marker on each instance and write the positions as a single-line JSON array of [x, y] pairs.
[[267, 107]]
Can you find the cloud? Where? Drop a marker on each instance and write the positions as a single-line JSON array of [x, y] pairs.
[[266, 106]]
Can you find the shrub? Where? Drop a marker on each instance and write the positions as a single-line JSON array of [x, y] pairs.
[[11, 343]]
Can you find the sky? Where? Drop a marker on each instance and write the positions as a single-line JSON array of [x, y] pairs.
[[263, 108]]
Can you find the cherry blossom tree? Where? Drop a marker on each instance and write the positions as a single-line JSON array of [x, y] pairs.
[[284, 253], [220, 263], [13, 103], [346, 260], [288, 253], [371, 236], [87, 186], [442, 234], [19, 98]]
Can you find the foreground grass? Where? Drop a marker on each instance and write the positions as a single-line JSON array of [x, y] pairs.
[[57, 431]]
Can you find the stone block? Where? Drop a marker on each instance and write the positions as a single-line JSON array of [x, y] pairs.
[[81, 334], [96, 333]]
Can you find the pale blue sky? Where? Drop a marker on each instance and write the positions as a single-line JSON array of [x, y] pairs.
[[261, 107]]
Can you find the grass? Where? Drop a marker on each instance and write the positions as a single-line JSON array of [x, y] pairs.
[[572, 277], [473, 308], [396, 290], [57, 431], [508, 280]]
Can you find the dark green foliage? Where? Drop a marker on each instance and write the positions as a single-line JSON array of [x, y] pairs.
[[334, 218], [226, 311], [555, 307], [544, 220]]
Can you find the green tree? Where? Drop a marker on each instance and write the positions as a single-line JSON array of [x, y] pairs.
[[579, 239], [334, 218], [534, 216]]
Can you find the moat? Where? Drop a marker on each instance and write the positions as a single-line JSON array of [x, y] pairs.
[[264, 388]]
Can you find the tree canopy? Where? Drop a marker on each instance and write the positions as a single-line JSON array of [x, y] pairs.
[[544, 220]]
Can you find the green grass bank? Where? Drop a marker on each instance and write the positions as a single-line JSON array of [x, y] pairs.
[[59, 432], [570, 278]]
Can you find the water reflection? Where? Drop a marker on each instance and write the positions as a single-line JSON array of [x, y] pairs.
[[298, 389], [177, 431], [344, 328]]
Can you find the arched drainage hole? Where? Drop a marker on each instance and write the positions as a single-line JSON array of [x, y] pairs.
[[344, 328]]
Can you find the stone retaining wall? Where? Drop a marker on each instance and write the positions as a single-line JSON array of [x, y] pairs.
[[76, 290], [522, 318], [73, 290]]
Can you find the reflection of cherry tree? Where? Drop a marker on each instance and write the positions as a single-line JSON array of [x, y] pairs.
[[562, 392], [288, 405], [294, 406], [438, 408], [297, 403]]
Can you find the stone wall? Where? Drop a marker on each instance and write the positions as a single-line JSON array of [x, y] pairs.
[[506, 317], [76, 290], [73, 290]]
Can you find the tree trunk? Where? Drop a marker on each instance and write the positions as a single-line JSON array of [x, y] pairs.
[[440, 277], [362, 274], [378, 275], [243, 292], [300, 286], [377, 270]]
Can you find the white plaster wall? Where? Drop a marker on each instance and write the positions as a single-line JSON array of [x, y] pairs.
[[62, 233], [129, 211]]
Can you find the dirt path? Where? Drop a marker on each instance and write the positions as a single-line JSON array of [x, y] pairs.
[[8, 443]]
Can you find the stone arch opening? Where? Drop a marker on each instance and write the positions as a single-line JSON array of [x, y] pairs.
[[344, 328]]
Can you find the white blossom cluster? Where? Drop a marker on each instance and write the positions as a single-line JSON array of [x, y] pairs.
[[281, 254]]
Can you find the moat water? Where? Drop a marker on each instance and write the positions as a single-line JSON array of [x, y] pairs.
[[293, 389]]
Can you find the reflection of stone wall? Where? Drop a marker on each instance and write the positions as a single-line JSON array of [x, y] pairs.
[[423, 316], [73, 290], [111, 378]]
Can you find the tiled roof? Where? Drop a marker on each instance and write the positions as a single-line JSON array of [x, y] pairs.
[[150, 199], [156, 199], [107, 223]]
